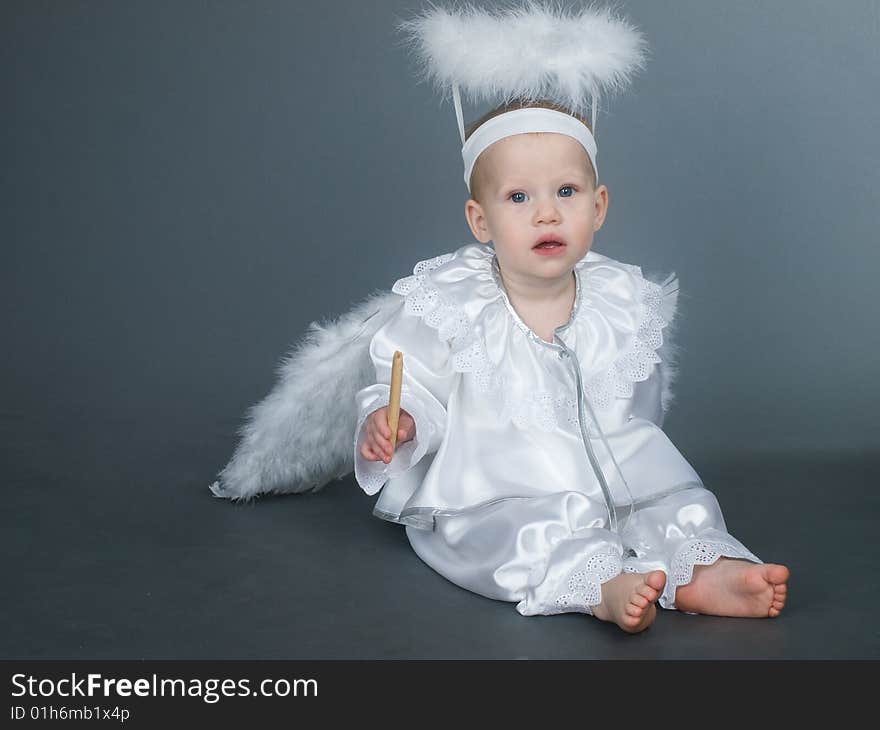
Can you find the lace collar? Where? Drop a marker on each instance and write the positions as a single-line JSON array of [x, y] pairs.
[[452, 291]]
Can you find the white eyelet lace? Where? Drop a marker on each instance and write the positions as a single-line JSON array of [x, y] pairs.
[[697, 552], [584, 585], [372, 475], [452, 324], [634, 364], [541, 410]]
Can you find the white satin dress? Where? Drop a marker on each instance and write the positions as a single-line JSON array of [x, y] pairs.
[[539, 469]]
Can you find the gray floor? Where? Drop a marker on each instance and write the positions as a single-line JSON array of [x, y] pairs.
[[115, 548]]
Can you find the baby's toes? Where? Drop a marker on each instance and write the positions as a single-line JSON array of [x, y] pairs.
[[776, 574], [634, 611], [656, 579], [653, 585], [777, 602], [639, 600]]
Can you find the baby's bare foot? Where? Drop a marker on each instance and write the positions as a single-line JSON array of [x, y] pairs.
[[628, 600], [733, 587]]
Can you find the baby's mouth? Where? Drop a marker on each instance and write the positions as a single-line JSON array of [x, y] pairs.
[[550, 243]]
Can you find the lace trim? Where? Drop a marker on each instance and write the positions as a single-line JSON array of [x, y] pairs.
[[423, 299], [702, 552], [636, 362], [585, 584], [542, 409], [372, 475]]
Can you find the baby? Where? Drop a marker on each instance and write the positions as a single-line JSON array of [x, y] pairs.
[[510, 506]]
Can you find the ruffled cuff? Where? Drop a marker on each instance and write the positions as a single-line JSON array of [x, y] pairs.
[[699, 551], [571, 579], [372, 475]]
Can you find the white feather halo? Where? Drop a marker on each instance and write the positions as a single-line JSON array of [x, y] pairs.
[[534, 50]]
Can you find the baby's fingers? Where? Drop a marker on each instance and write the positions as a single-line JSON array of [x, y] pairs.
[[380, 421], [380, 446], [379, 452], [368, 453], [379, 440]]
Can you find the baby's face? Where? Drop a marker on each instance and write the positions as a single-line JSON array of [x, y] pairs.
[[535, 185]]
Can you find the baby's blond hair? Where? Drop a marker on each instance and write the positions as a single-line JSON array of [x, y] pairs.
[[477, 177]]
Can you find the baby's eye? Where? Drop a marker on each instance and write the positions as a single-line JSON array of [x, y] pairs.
[[566, 187], [516, 199]]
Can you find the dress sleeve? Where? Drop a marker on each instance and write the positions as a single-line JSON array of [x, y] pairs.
[[647, 401], [427, 382]]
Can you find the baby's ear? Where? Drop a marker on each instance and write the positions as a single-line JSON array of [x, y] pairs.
[[476, 220], [601, 203]]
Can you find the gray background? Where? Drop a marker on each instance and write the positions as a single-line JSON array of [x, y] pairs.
[[187, 185]]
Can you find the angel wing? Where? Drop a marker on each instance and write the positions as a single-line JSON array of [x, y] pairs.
[[300, 436]]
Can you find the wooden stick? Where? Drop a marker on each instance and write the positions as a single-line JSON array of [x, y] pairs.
[[394, 397]]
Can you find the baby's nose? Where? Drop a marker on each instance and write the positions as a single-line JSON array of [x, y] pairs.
[[546, 212]]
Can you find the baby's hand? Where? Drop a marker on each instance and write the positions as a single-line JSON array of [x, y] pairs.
[[377, 444]]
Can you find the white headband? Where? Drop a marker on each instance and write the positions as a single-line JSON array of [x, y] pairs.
[[520, 121]]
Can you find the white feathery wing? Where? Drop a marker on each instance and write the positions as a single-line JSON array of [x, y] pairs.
[[301, 435]]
